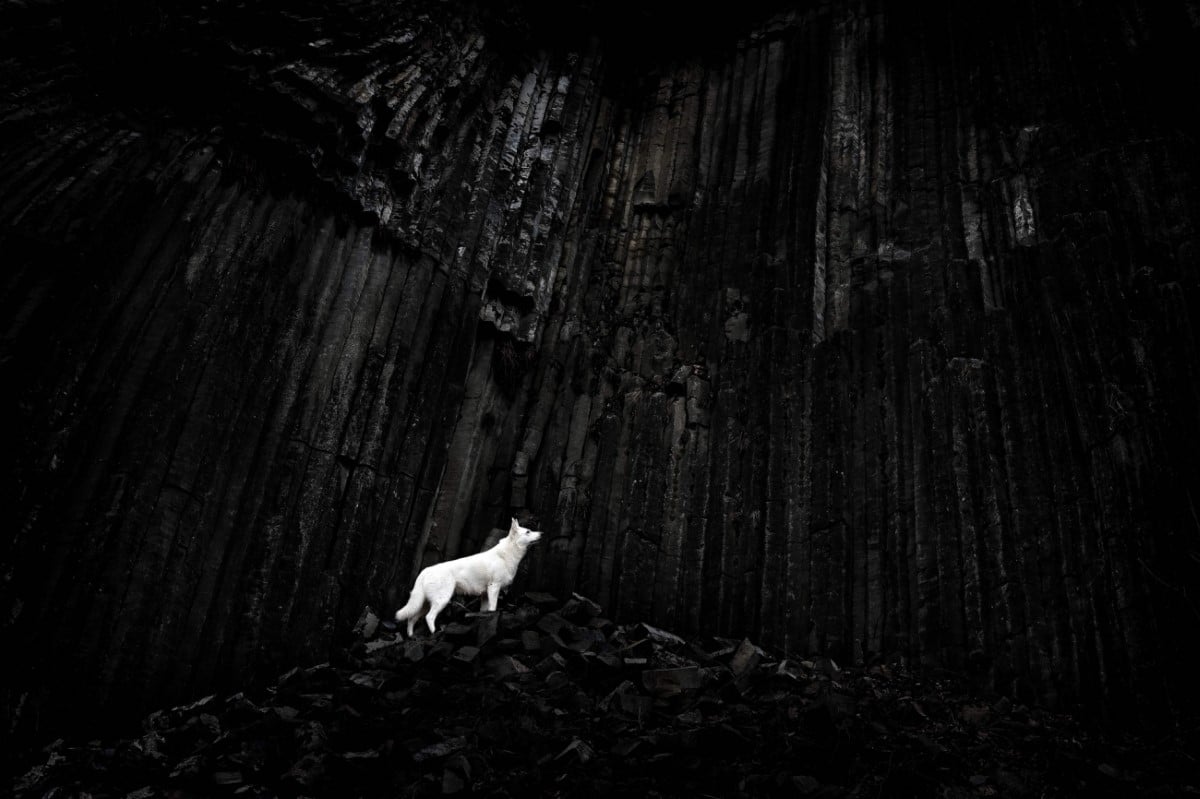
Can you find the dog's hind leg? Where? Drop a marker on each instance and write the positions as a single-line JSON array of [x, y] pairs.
[[431, 616], [493, 597], [439, 598]]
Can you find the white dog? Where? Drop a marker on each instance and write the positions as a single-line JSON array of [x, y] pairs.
[[488, 571]]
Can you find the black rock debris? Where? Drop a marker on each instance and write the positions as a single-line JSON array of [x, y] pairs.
[[549, 698]]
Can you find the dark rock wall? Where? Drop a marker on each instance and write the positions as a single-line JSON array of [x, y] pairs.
[[870, 331]]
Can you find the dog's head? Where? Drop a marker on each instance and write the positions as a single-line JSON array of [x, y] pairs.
[[522, 535]]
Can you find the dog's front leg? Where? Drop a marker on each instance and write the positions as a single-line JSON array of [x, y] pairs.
[[493, 597]]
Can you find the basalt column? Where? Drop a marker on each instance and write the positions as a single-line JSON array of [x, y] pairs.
[[852, 329]]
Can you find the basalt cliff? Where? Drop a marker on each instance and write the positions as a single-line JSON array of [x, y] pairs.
[[855, 328]]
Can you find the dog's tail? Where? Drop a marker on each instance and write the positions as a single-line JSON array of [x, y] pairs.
[[416, 600]]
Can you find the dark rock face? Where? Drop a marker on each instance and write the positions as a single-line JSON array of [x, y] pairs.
[[862, 332]]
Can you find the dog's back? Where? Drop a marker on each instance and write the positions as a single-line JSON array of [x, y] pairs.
[[469, 575]]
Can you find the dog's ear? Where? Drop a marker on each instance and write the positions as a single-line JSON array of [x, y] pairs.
[[515, 525]]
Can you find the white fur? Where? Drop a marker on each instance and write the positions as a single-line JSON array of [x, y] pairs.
[[485, 572]]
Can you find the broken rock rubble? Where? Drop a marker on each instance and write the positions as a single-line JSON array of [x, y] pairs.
[[550, 697]]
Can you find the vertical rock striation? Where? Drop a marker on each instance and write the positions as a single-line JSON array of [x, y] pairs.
[[868, 331]]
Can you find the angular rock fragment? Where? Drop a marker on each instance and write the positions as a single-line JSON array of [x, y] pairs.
[[557, 680], [456, 775], [670, 683], [414, 651], [551, 623], [376, 679], [383, 643], [466, 654], [626, 746], [306, 772], [457, 631], [600, 624], [657, 636], [189, 768], [805, 785], [745, 658], [504, 666], [541, 599], [440, 650], [440, 749], [554, 662], [582, 608], [577, 751], [367, 624]]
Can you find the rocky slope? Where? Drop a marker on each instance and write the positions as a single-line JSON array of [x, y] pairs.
[[552, 699]]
